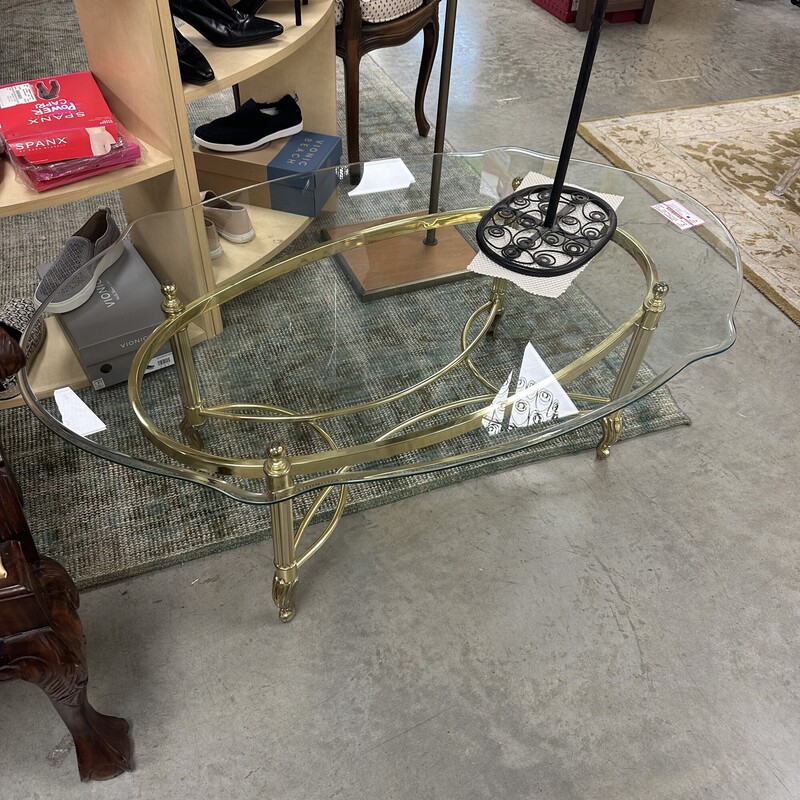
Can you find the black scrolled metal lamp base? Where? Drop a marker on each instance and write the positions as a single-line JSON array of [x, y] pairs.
[[514, 235], [549, 230]]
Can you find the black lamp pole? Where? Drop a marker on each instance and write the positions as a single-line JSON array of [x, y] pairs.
[[575, 113], [441, 112], [516, 234]]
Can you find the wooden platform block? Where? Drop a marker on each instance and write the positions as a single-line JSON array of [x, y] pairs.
[[403, 263]]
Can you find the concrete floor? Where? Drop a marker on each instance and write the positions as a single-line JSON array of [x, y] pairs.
[[572, 629]]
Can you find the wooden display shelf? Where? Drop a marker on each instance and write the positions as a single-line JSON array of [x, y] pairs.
[[56, 366], [232, 65], [16, 198], [274, 231], [131, 52]]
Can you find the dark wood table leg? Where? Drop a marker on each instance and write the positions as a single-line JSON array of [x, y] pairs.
[[643, 8]]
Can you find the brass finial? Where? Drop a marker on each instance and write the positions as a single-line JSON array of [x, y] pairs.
[[277, 464], [172, 304], [656, 301], [276, 451]]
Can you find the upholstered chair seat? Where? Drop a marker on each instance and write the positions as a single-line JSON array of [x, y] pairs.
[[379, 10]]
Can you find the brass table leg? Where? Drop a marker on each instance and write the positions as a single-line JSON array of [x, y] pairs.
[[187, 376], [284, 584], [498, 297], [652, 309]]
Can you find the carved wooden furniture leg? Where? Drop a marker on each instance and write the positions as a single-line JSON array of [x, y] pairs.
[[430, 43], [42, 641], [51, 653], [355, 37]]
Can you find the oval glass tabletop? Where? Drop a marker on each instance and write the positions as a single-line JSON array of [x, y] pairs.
[[326, 330]]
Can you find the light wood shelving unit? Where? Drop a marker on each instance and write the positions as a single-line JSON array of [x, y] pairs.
[[131, 52]]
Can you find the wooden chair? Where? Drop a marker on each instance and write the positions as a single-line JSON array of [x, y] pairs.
[[41, 637], [356, 36]]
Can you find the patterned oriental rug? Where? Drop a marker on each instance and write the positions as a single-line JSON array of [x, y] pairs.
[[105, 522], [729, 157]]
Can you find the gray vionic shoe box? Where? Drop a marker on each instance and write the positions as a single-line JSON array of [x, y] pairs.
[[108, 329]]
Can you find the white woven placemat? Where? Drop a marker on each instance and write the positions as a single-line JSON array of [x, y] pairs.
[[553, 286]]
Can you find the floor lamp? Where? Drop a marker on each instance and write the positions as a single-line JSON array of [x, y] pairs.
[[413, 261]]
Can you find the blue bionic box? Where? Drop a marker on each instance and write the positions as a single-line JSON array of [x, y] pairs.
[[302, 191]]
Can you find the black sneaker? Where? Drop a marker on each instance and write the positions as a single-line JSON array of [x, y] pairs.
[[251, 126]]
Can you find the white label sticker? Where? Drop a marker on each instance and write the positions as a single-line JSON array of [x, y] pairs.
[[678, 214], [540, 397], [17, 95], [159, 362]]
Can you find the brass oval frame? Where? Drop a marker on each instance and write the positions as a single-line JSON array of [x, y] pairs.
[[381, 448]]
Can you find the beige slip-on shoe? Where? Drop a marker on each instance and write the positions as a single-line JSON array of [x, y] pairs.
[[230, 219]]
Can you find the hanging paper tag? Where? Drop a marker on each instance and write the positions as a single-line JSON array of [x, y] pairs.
[[678, 214]]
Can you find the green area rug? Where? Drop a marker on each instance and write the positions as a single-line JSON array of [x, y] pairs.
[[105, 522]]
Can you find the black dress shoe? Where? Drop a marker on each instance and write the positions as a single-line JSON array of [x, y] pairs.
[[249, 8], [222, 25], [193, 64]]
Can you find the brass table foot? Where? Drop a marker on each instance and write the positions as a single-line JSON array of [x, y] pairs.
[[283, 596], [191, 434], [612, 430]]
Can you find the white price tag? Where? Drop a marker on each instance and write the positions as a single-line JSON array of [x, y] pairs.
[[17, 95], [76, 415], [678, 214]]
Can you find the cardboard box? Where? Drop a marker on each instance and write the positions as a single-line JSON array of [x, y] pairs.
[[56, 119], [566, 11], [108, 329], [231, 172], [302, 190]]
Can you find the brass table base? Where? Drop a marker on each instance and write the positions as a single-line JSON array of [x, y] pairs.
[[288, 475]]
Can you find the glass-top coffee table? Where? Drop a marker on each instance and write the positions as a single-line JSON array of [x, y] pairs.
[[354, 350]]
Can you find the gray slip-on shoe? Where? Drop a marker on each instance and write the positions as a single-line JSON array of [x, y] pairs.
[[76, 269], [15, 317]]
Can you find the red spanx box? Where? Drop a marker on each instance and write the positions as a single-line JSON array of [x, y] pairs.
[[56, 119]]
